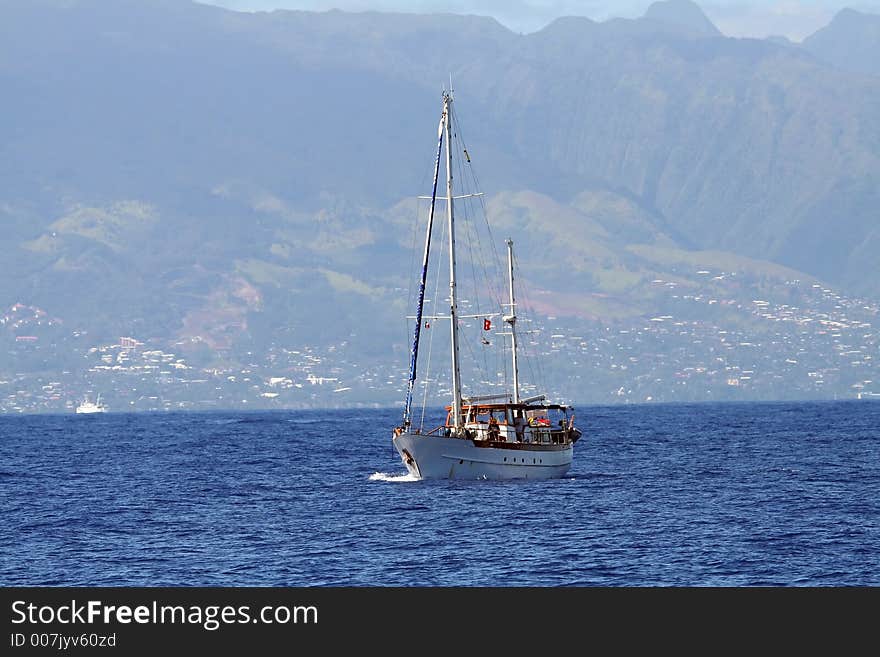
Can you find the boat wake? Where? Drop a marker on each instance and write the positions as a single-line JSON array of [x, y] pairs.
[[384, 476]]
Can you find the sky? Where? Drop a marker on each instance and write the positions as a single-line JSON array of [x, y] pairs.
[[794, 19]]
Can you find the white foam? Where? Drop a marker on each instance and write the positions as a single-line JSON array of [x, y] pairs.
[[384, 476]]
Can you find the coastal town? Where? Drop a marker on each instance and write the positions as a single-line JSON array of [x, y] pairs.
[[816, 345]]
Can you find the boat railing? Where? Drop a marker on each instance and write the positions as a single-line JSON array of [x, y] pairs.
[[549, 436], [558, 436], [539, 436]]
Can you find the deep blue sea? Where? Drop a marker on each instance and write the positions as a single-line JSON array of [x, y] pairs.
[[778, 494]]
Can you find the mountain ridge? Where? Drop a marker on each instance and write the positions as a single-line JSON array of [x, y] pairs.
[[259, 161]]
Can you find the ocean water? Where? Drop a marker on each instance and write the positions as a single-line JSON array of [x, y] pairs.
[[778, 494]]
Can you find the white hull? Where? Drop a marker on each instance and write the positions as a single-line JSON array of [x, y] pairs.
[[90, 407], [438, 457]]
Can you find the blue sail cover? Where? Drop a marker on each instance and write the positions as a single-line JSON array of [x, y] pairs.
[[407, 412]]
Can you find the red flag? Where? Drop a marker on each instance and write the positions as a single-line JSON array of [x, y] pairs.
[[487, 324]]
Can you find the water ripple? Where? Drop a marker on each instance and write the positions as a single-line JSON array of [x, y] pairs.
[[666, 495]]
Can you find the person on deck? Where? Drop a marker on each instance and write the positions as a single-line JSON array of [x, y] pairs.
[[494, 430]]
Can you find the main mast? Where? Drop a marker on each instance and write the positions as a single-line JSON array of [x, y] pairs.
[[453, 301], [511, 319]]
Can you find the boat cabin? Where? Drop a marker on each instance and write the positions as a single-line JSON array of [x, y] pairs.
[[548, 424]]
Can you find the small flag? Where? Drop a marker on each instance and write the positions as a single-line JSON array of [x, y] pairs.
[[487, 324]]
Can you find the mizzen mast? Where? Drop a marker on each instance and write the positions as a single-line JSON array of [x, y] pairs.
[[511, 319]]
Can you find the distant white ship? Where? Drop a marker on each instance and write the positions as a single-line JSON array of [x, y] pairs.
[[91, 406]]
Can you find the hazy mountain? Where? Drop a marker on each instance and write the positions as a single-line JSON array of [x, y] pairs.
[[175, 169], [851, 41], [781, 40], [682, 13]]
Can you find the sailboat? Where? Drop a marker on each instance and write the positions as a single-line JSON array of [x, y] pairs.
[[500, 435]]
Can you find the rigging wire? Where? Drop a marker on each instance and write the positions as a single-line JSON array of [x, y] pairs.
[[527, 356], [418, 230], [427, 375], [477, 251], [532, 361], [474, 252]]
